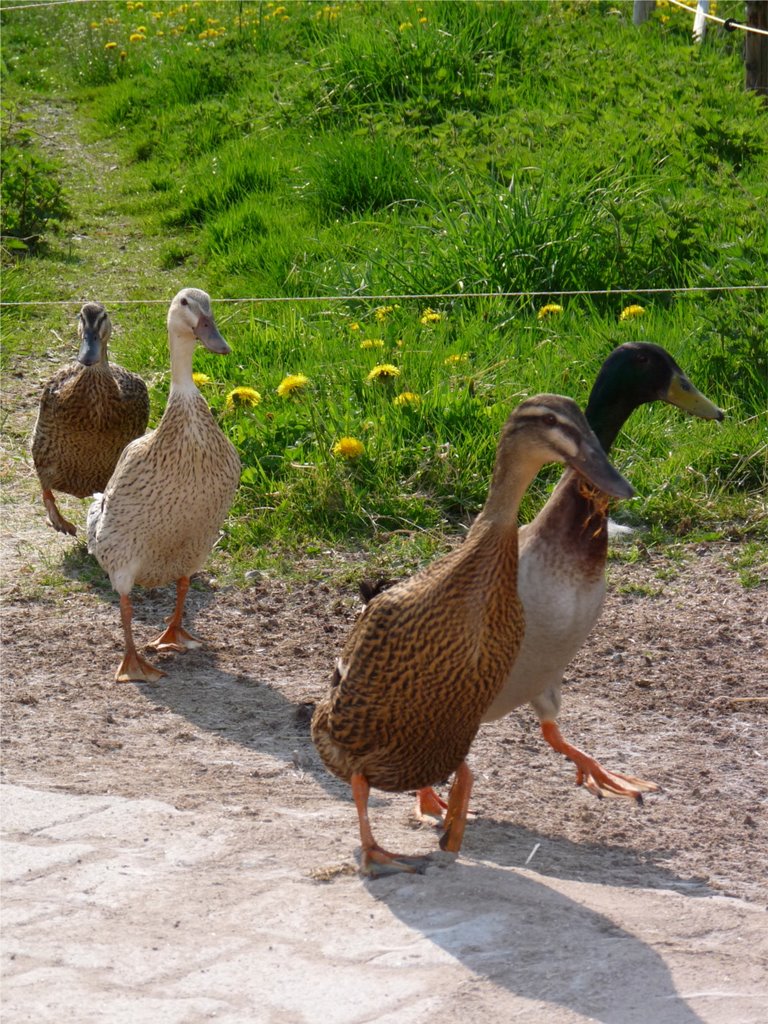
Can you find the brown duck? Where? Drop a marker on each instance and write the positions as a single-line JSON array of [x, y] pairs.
[[89, 411], [427, 657], [162, 510]]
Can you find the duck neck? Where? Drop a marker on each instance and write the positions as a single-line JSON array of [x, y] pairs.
[[607, 411], [181, 365], [511, 477]]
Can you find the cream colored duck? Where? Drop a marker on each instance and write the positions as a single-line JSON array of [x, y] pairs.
[[89, 411], [563, 553], [163, 507], [427, 657]]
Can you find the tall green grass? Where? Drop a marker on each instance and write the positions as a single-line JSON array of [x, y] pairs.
[[359, 150]]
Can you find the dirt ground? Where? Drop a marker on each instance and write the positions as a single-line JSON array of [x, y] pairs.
[[177, 852]]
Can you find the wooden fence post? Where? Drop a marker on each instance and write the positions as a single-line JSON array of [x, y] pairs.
[[756, 48]]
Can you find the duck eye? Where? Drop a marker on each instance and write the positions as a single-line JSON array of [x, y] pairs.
[[549, 420], [184, 302]]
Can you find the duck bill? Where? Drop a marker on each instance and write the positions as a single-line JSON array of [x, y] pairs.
[[208, 334], [686, 397], [90, 348], [591, 462]]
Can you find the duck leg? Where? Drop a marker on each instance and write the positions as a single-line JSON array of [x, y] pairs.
[[458, 806], [55, 518], [175, 637], [591, 773], [375, 860], [133, 667]]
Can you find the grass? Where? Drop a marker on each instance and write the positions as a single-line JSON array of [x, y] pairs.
[[349, 151]]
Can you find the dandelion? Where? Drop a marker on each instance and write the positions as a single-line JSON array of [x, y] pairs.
[[407, 400], [551, 309], [292, 384], [630, 312], [110, 46], [405, 25], [382, 312], [349, 448], [383, 372], [430, 316], [454, 359], [354, 326], [136, 37], [242, 398], [200, 379], [371, 343]]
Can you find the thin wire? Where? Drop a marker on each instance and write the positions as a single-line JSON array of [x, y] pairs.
[[721, 21], [48, 3], [268, 299]]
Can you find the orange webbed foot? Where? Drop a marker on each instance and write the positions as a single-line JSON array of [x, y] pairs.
[[591, 774], [134, 668], [429, 806], [175, 638], [55, 518], [376, 862]]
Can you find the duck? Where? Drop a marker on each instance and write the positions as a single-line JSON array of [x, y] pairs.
[[161, 512], [427, 656], [88, 412], [562, 559]]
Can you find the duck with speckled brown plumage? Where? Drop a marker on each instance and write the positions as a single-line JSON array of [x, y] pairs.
[[164, 505], [563, 554], [428, 656], [89, 411]]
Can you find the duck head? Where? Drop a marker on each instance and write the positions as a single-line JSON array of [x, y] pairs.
[[636, 373], [552, 428], [190, 320], [94, 330]]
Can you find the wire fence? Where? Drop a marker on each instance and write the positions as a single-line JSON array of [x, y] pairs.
[[418, 296]]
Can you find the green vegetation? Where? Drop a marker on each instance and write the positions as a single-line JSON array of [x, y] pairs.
[[349, 157]]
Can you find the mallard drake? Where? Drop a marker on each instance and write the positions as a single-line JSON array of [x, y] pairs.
[[427, 657], [563, 553], [88, 413], [162, 509]]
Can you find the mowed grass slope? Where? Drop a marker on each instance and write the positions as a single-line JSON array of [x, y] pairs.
[[387, 170]]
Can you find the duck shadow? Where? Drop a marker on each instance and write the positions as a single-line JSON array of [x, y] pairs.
[[543, 946]]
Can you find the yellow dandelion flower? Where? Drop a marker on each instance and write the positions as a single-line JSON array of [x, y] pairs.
[[136, 37], [430, 316], [354, 326], [349, 448], [199, 379], [95, 24], [110, 46], [551, 309], [242, 398], [630, 312], [405, 25], [407, 400], [382, 312], [383, 372], [293, 383], [371, 343], [454, 359]]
